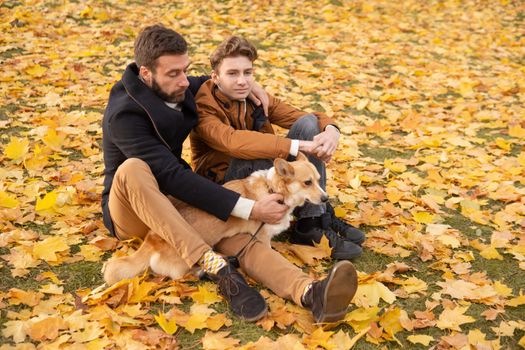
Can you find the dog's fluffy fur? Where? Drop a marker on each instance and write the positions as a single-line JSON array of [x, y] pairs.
[[297, 181]]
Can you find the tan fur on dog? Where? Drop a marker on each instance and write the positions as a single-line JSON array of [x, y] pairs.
[[297, 181]]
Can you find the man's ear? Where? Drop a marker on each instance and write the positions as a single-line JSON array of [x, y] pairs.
[[283, 168], [146, 74]]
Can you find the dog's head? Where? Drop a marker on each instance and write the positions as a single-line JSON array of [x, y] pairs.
[[298, 181]]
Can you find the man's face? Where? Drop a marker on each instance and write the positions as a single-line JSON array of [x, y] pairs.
[[234, 76], [169, 80]]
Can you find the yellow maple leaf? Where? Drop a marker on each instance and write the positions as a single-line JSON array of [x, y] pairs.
[[521, 159], [355, 183], [205, 295], [502, 289], [196, 321], [215, 322], [517, 131], [454, 318], [90, 252], [390, 321], [342, 341], [17, 148], [36, 70], [420, 339], [324, 245], [51, 275], [140, 290], [39, 159], [47, 328], [48, 202], [47, 249], [218, 341], [393, 195], [395, 166], [517, 301], [362, 104], [53, 140], [339, 212], [7, 201], [522, 342], [491, 253], [52, 288], [318, 338], [18, 296], [15, 329], [503, 144], [423, 217], [449, 241], [169, 326], [465, 88], [369, 294]]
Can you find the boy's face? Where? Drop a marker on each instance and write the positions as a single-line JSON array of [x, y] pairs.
[[234, 76]]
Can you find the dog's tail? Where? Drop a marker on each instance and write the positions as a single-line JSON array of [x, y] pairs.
[[130, 266]]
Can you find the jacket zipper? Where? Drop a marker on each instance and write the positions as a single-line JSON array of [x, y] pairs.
[[149, 116], [239, 114]]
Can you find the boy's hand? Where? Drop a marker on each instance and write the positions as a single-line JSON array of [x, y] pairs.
[[259, 96], [325, 143], [269, 209]]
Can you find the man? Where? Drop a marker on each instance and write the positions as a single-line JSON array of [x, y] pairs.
[[234, 138], [150, 112]]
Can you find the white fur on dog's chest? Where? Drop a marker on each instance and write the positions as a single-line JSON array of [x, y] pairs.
[[274, 230]]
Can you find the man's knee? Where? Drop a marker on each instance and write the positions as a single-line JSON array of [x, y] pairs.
[[132, 168], [305, 128]]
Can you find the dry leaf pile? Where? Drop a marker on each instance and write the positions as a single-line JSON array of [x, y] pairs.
[[430, 100]]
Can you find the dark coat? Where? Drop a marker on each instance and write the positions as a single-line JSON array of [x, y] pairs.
[[138, 124]]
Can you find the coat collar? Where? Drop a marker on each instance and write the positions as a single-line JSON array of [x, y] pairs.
[[154, 106]]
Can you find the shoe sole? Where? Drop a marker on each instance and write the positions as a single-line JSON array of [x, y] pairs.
[[256, 317], [340, 289], [345, 255]]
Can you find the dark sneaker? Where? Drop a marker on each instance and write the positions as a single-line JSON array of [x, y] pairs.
[[328, 299], [246, 302], [309, 230], [343, 228]]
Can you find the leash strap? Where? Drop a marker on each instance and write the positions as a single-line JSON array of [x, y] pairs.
[[234, 260]]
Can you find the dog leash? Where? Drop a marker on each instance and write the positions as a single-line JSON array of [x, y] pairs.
[[234, 260]]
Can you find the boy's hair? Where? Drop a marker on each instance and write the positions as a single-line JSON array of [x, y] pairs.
[[234, 46], [155, 41]]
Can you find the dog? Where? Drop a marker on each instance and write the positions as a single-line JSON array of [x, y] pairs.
[[296, 181]]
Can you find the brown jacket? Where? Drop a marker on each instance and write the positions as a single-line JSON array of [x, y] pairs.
[[225, 131]]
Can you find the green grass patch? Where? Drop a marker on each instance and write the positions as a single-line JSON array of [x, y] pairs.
[[381, 153]]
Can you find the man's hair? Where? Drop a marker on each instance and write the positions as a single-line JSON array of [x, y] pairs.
[[155, 41], [234, 46]]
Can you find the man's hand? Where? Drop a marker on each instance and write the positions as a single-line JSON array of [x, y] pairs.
[[268, 209], [325, 143], [258, 95], [307, 147]]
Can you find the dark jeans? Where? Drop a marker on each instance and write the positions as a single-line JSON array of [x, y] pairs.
[[303, 129]]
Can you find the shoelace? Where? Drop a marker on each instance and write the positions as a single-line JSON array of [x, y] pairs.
[[228, 285], [338, 224]]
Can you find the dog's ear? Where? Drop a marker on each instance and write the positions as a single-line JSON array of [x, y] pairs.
[[301, 156], [283, 168]]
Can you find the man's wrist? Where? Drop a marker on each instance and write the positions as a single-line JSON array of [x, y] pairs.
[[243, 208], [294, 148]]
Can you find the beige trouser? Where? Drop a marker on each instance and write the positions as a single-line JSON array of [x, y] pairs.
[[137, 207]]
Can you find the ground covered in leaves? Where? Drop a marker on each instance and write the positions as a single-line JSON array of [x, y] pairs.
[[429, 96]]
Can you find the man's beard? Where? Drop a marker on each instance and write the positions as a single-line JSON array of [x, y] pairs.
[[171, 98]]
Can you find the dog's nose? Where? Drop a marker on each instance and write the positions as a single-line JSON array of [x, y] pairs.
[[324, 198]]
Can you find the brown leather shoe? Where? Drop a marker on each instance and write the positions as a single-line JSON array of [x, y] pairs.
[[329, 298]]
